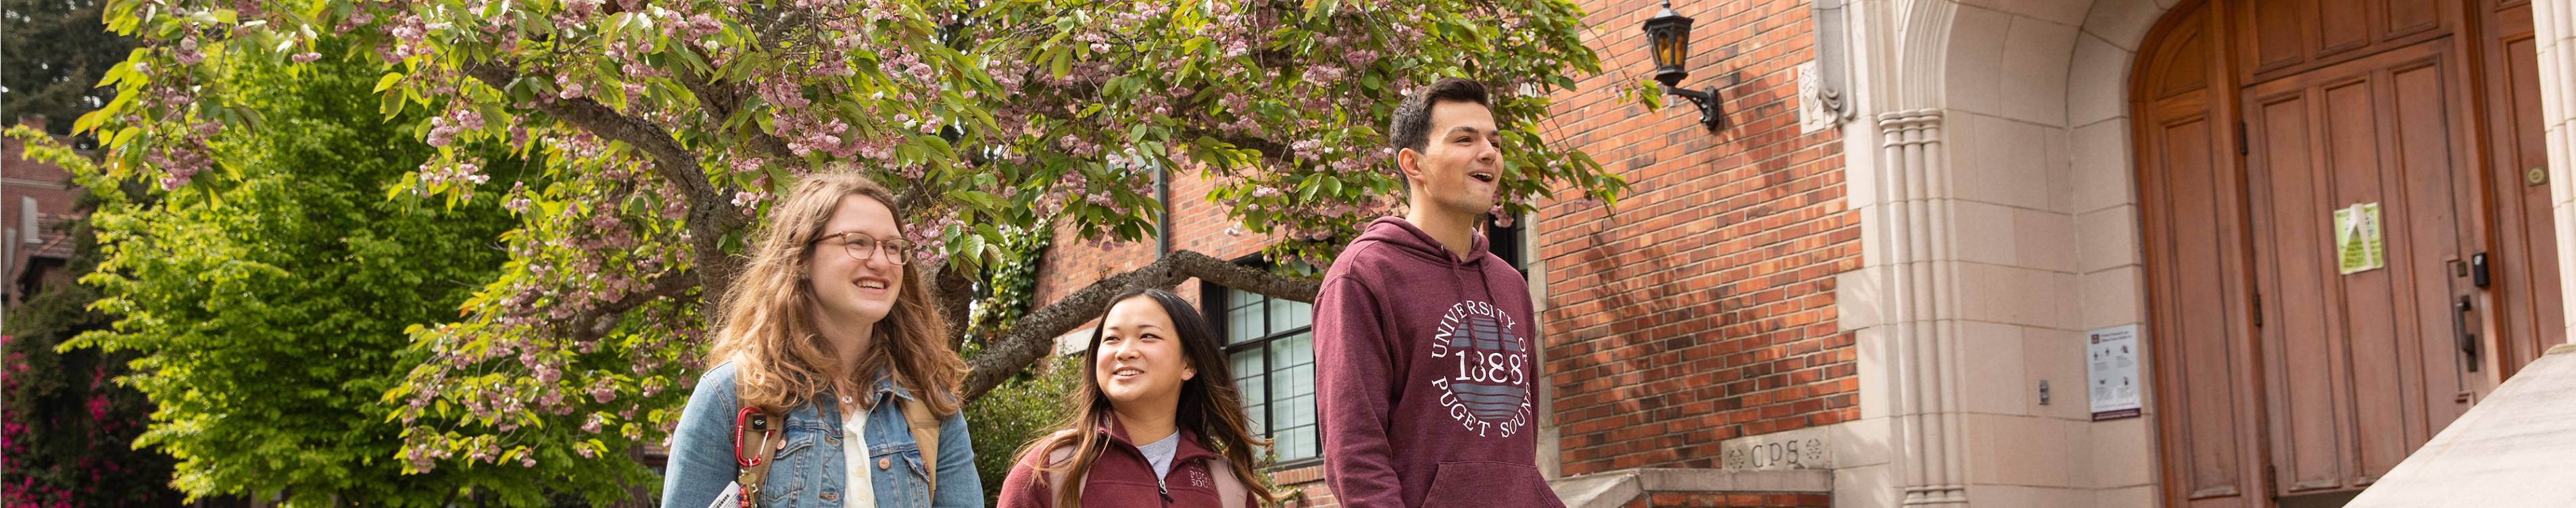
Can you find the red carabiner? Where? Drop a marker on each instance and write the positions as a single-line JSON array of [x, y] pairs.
[[751, 419]]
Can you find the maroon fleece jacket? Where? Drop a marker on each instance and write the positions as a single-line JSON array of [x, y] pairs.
[[1123, 479], [1425, 375]]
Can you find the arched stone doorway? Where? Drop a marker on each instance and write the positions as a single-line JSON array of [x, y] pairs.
[[2000, 190], [2265, 132]]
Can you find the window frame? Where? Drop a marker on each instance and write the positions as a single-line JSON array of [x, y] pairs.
[[1217, 302]]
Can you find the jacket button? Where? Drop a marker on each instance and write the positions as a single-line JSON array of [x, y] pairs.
[[827, 496], [884, 463]]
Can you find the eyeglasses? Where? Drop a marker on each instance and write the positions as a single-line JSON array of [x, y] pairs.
[[861, 247]]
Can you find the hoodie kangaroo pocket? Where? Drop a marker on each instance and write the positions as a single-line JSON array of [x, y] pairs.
[[1480, 483]]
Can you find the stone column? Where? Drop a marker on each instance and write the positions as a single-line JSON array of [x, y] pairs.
[[2554, 26], [1915, 208]]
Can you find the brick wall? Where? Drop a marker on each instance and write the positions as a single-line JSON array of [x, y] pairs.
[[55, 198], [1309, 482], [1197, 226], [1702, 309]]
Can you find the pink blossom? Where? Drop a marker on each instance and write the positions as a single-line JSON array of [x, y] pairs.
[[98, 407], [702, 25], [570, 88]]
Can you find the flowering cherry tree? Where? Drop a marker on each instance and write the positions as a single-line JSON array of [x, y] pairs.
[[664, 129]]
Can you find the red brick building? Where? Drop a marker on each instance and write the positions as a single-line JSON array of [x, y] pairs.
[[42, 196]]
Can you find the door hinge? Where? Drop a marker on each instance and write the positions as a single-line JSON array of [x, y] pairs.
[[2243, 147], [2258, 310]]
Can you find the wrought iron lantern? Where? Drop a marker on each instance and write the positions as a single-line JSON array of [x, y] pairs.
[[1669, 33]]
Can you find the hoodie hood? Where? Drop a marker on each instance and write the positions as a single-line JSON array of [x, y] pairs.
[[1396, 232], [1416, 251]]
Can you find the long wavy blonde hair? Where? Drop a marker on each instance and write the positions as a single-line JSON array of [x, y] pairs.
[[768, 328]]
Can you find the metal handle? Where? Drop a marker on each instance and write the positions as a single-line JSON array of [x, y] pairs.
[[2460, 329]]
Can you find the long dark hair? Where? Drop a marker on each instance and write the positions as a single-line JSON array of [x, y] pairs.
[[1210, 407]]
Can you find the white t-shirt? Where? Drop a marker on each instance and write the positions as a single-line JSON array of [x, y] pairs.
[[854, 453]]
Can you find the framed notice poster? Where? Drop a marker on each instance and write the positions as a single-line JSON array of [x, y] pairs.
[[2111, 360]]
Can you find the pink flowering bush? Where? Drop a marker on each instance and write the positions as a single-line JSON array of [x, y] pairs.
[[67, 430]]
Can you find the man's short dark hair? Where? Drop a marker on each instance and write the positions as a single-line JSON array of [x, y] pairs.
[[1411, 128]]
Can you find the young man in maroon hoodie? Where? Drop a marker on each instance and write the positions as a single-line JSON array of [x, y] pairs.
[[1423, 341]]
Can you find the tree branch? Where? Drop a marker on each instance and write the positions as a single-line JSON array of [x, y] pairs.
[[711, 215], [1269, 149], [597, 321], [1034, 337], [670, 160]]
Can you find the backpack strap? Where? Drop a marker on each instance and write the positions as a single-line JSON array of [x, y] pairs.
[[756, 431], [1230, 492], [925, 435]]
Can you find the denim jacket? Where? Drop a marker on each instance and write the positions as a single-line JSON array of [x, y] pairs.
[[808, 472]]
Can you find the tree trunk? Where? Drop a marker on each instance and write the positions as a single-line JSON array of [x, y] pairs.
[[955, 294]]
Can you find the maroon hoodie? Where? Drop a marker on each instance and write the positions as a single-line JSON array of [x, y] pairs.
[[1123, 479], [1425, 376]]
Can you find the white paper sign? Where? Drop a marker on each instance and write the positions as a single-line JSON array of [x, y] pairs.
[[730, 498], [2111, 359]]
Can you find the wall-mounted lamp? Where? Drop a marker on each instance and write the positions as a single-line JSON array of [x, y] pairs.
[[1669, 32]]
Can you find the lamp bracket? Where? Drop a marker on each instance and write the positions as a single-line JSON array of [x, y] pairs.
[[1710, 113]]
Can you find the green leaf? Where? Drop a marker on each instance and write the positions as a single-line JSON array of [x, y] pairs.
[[390, 104], [1317, 9], [690, 57], [388, 81], [973, 247], [1062, 65], [989, 232], [125, 136], [89, 121]]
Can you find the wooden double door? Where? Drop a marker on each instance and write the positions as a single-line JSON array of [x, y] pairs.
[[2347, 232]]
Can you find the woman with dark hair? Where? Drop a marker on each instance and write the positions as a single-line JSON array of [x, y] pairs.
[[1156, 422]]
